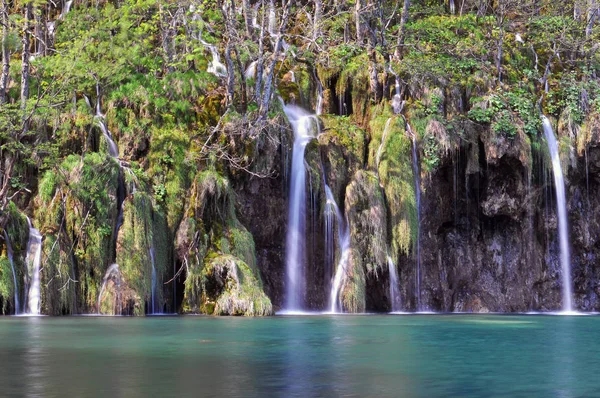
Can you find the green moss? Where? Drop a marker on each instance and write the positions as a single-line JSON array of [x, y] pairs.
[[80, 218], [134, 244], [231, 288], [341, 131], [170, 167], [353, 295], [215, 242]]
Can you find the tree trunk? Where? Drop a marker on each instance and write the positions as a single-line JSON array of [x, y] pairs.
[[5, 53], [591, 17], [230, 75], [317, 19], [247, 10], [264, 108], [260, 61], [167, 38], [402, 31], [359, 32], [25, 66]]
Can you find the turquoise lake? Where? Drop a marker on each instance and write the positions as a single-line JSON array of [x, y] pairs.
[[302, 356]]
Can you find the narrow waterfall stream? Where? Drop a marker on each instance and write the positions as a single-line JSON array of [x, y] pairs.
[[319, 105], [417, 177], [9, 253], [344, 245], [153, 287], [394, 291], [113, 149], [306, 127], [561, 208], [216, 67], [32, 262]]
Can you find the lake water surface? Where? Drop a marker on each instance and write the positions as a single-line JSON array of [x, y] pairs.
[[302, 356]]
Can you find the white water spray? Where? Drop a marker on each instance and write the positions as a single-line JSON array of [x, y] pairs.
[[153, 288], [417, 174], [394, 291], [306, 127], [383, 137], [32, 262], [561, 208], [344, 245]]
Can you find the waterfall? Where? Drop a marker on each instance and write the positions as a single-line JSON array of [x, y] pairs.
[[452, 7], [250, 72], [380, 149], [9, 253], [113, 149], [417, 174], [304, 126], [344, 245], [112, 270], [329, 213], [561, 207], [394, 293], [215, 67], [319, 104], [32, 262], [153, 288]]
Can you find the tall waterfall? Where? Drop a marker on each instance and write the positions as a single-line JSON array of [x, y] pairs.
[[417, 174], [32, 262], [153, 288], [329, 214], [561, 208], [344, 245], [9, 253], [305, 128], [394, 292]]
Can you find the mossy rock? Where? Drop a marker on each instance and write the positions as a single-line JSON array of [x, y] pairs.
[[210, 231], [230, 288], [367, 216], [17, 232], [77, 214]]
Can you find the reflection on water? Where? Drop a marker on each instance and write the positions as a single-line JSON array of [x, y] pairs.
[[34, 359], [409, 356]]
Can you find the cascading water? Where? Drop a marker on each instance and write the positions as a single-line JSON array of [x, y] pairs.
[[561, 207], [416, 174], [383, 137], [329, 214], [319, 104], [394, 291], [112, 270], [305, 128], [344, 245], [32, 262], [113, 149], [9, 253], [216, 67], [153, 288]]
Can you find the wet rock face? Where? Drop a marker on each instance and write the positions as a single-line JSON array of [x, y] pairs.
[[489, 239], [584, 211]]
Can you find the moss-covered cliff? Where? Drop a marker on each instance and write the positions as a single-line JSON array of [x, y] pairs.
[[193, 208]]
